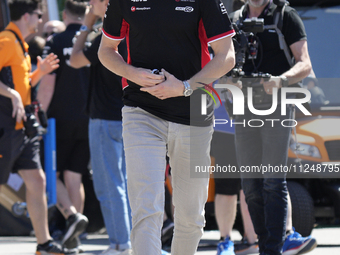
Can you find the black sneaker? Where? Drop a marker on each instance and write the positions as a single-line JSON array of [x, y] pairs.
[[244, 247], [52, 248], [75, 225], [167, 230], [74, 244]]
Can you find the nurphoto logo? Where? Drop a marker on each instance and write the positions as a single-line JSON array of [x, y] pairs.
[[239, 104], [204, 97], [238, 100]]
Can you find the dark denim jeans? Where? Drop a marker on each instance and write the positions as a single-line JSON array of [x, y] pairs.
[[266, 195]]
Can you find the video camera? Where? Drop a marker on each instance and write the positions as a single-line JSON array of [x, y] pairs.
[[245, 41], [31, 124], [247, 44]]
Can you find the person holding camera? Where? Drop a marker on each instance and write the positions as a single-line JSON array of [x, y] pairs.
[[266, 195], [19, 152], [162, 112]]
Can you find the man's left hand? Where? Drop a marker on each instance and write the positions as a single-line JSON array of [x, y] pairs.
[[48, 64], [273, 82], [171, 87]]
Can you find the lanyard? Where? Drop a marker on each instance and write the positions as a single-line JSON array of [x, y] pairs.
[[21, 44], [19, 40]]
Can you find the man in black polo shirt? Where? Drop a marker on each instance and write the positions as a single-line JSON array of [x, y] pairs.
[[162, 114], [268, 145], [68, 108]]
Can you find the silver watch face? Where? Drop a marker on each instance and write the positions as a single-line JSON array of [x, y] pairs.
[[188, 92]]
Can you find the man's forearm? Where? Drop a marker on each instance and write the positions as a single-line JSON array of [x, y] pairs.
[[18, 111], [36, 77], [79, 44], [221, 64], [216, 68], [77, 59], [298, 72], [113, 61], [5, 90], [46, 90], [303, 65]]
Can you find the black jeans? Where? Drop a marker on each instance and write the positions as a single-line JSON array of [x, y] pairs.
[[266, 194]]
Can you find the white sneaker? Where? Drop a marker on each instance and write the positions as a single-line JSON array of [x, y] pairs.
[[127, 252], [112, 251]]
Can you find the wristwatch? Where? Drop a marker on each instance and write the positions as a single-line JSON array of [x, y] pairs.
[[284, 81], [187, 89], [84, 28]]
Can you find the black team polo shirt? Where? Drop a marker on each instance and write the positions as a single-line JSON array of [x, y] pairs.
[[70, 94], [105, 94], [174, 35]]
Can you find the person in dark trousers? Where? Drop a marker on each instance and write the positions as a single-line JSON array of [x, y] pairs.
[[19, 145], [105, 133], [267, 196], [167, 64], [67, 106]]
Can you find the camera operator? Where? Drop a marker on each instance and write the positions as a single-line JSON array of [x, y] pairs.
[[268, 145]]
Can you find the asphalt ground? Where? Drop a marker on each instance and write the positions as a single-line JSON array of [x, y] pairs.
[[328, 239]]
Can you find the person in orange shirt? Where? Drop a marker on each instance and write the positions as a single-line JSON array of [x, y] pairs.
[[18, 151]]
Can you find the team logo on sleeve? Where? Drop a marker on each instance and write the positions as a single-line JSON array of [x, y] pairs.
[[223, 9], [185, 9], [107, 7]]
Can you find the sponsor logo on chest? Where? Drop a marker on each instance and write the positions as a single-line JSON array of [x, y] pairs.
[[185, 9], [134, 8]]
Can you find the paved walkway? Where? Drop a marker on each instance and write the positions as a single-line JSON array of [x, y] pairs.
[[328, 243]]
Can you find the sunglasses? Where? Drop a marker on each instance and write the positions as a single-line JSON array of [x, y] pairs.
[[38, 14]]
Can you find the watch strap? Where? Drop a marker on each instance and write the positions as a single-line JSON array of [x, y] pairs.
[[187, 89], [84, 28], [284, 81]]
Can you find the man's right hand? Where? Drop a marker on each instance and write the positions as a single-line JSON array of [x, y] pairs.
[[18, 107], [145, 77]]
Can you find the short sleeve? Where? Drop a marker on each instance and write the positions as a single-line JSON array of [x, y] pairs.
[[114, 26], [6, 51], [91, 53], [293, 29], [215, 20]]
